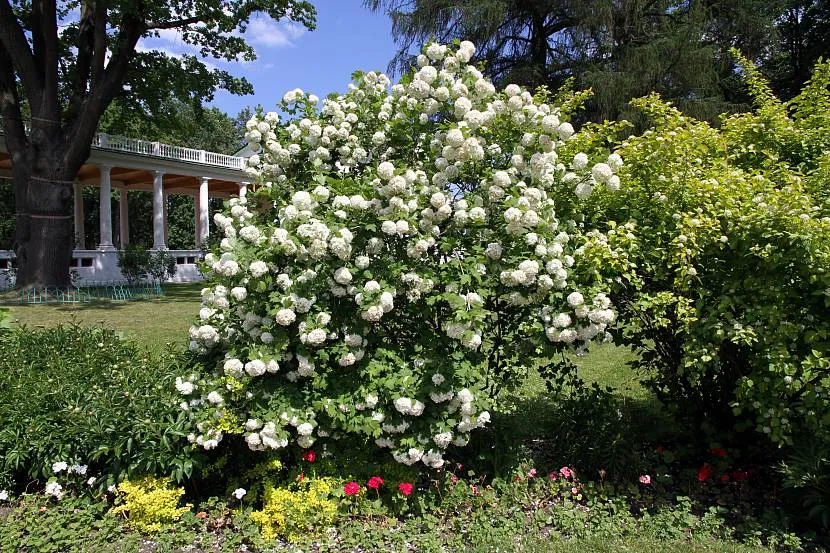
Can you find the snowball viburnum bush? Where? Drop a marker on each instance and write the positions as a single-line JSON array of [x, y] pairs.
[[403, 246]]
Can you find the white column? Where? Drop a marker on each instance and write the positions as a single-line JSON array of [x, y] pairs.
[[80, 239], [203, 204], [158, 211], [124, 218], [105, 209], [166, 225], [243, 189], [197, 219]]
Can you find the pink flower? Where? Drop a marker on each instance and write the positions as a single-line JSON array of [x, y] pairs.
[[374, 482], [645, 479], [553, 475], [531, 473], [352, 488], [574, 490], [405, 488], [566, 472], [454, 479]]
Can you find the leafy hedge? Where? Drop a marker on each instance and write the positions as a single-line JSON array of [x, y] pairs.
[[85, 396], [728, 297]]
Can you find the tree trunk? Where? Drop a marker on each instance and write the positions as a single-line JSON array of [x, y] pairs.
[[43, 198]]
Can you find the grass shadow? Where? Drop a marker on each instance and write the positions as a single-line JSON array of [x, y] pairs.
[[611, 423]]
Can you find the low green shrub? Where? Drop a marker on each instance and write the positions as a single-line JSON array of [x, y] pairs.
[[86, 397], [133, 261], [136, 263]]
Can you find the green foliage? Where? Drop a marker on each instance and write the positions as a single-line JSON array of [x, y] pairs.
[[180, 123], [136, 263], [5, 320], [149, 503], [133, 261], [727, 304], [806, 474], [620, 49], [162, 266], [84, 395]]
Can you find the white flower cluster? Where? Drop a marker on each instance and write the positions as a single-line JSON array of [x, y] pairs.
[[390, 228]]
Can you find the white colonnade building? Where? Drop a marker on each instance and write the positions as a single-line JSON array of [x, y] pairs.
[[128, 164]]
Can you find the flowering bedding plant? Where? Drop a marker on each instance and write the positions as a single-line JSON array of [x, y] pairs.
[[404, 248]]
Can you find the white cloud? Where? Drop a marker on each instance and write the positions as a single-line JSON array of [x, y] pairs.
[[266, 32]]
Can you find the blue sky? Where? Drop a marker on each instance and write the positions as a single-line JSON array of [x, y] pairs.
[[348, 37]]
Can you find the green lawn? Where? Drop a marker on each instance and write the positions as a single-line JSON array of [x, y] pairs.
[[152, 323]]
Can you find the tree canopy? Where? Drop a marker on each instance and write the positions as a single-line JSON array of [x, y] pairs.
[[625, 48]]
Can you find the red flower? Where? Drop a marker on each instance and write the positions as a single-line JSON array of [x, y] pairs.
[[300, 477], [310, 456], [374, 482], [724, 478], [718, 452], [660, 450], [405, 488], [703, 473], [352, 488], [740, 475]]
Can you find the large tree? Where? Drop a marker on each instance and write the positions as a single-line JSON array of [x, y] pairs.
[[804, 31], [621, 48], [63, 63]]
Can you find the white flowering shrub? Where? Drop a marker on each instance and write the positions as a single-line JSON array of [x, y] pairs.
[[404, 248]]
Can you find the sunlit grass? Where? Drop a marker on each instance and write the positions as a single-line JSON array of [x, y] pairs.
[[152, 323]]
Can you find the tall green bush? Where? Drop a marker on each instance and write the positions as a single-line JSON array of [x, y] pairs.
[[728, 304]]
